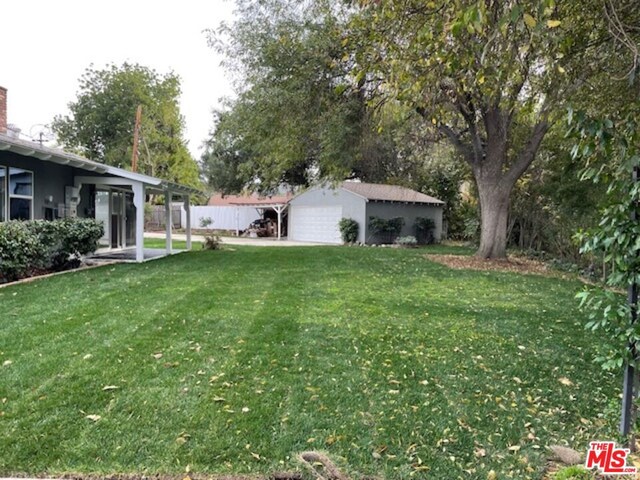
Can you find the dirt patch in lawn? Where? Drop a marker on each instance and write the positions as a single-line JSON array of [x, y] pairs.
[[511, 264]]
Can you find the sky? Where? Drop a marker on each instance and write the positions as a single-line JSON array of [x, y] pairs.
[[46, 46]]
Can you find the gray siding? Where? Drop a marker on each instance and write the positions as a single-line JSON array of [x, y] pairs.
[[353, 206], [409, 212], [48, 179]]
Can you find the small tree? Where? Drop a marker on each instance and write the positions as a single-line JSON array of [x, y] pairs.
[[424, 228], [349, 230], [387, 229], [206, 222]]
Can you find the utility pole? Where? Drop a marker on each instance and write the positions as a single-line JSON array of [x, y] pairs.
[[628, 388], [136, 135]]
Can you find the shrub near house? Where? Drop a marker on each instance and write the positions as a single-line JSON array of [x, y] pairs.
[[28, 248]]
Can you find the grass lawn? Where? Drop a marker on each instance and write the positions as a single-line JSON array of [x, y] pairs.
[[177, 244], [234, 361]]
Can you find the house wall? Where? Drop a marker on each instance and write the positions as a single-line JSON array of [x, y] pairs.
[[409, 212], [353, 206], [48, 179]]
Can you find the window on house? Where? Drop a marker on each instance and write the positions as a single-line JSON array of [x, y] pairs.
[[20, 188], [3, 193]]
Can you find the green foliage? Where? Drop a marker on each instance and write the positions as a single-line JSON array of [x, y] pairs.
[[20, 250], [470, 220], [574, 472], [610, 149], [386, 229], [298, 117], [424, 228], [348, 230], [206, 222], [490, 77], [550, 203], [38, 245], [102, 119]]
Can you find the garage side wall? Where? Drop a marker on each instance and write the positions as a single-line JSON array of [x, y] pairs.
[[409, 212], [353, 206]]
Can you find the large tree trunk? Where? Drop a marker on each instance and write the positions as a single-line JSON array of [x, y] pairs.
[[495, 176], [494, 214]]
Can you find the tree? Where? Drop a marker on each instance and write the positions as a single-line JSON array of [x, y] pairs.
[[491, 76], [608, 141], [224, 160], [102, 117], [293, 121]]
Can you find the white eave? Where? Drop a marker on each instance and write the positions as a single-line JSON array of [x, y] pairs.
[[55, 155]]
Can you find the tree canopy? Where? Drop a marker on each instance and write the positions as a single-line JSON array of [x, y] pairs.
[[355, 89], [101, 122], [292, 122], [490, 76]]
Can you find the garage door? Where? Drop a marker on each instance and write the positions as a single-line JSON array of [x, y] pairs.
[[315, 224]]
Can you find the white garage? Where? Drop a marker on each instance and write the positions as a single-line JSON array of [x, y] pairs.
[[314, 215], [315, 224]]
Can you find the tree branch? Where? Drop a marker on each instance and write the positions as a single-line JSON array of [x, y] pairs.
[[465, 149], [467, 110], [528, 152]]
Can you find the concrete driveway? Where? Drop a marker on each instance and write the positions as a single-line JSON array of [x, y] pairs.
[[256, 242]]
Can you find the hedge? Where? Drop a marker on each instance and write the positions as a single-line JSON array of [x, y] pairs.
[[28, 248]]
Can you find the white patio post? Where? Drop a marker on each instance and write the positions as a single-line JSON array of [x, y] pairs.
[[237, 221], [138, 201], [279, 211], [187, 209], [167, 220]]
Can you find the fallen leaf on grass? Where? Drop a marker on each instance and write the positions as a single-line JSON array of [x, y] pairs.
[[110, 387], [94, 418], [157, 356], [565, 381]]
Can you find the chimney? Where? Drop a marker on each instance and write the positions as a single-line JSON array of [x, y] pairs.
[[3, 110]]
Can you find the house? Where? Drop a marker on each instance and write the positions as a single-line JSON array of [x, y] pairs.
[[236, 212], [39, 182], [314, 215]]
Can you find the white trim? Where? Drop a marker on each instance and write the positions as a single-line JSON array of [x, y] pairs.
[[9, 195], [4, 193]]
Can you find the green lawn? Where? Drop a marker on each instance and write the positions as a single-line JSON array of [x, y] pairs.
[[234, 361], [177, 244]]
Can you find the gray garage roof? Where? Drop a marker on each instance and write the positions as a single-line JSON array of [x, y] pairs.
[[389, 193]]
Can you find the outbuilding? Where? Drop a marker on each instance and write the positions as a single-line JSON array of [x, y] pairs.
[[314, 215]]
